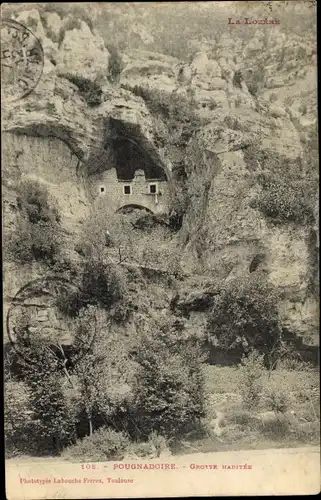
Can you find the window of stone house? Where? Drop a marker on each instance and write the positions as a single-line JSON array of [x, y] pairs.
[[102, 189], [153, 188], [127, 190]]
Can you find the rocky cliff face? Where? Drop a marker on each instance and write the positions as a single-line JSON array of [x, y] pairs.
[[54, 136]]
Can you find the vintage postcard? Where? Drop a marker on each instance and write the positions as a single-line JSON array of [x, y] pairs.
[[160, 251]]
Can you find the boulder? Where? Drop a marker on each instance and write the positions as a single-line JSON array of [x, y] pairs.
[[199, 63], [83, 53]]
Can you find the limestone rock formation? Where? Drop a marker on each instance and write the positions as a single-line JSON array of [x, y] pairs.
[[83, 53], [55, 136]]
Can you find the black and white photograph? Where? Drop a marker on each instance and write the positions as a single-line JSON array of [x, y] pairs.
[[160, 219]]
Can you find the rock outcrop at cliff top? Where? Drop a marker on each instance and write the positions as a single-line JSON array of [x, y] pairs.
[[235, 119]]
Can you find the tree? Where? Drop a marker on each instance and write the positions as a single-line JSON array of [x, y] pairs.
[[102, 283], [115, 64], [250, 381], [56, 419], [120, 246], [245, 315], [43, 371], [102, 368], [18, 417], [37, 234], [169, 385], [89, 90], [288, 198]]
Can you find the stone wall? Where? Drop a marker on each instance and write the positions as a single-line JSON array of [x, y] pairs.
[[107, 187]]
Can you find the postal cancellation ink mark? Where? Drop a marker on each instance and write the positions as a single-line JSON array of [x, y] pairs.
[[22, 61]]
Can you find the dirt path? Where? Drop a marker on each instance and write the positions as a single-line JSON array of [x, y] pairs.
[[272, 471]]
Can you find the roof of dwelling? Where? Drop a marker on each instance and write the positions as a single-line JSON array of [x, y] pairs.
[[147, 180]]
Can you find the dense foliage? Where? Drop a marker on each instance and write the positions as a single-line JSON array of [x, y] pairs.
[[18, 417], [289, 197], [104, 444], [251, 385], [37, 234], [281, 201], [155, 387], [88, 89], [114, 389], [115, 63], [102, 283], [169, 387], [50, 422], [245, 315], [98, 284]]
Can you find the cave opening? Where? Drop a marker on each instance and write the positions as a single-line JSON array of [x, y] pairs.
[[130, 157], [131, 151]]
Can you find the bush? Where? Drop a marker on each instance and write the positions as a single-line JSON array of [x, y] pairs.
[[255, 79], [45, 244], [37, 235], [54, 415], [283, 200], [212, 105], [33, 201], [245, 315], [294, 364], [308, 432], [232, 123], [141, 449], [115, 65], [31, 243], [103, 444], [152, 448], [122, 310], [41, 369], [102, 284], [159, 443], [253, 88], [172, 106], [177, 111], [70, 303], [98, 284], [242, 418], [276, 398], [277, 429], [237, 79], [120, 240], [18, 421], [288, 197], [169, 386], [251, 385], [162, 258], [90, 90]]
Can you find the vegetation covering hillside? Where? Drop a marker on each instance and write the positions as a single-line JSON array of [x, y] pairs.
[[175, 322]]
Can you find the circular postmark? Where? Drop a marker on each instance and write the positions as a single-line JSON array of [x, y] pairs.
[[36, 302], [22, 61]]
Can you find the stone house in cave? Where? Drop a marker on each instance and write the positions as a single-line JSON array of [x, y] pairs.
[[138, 192], [132, 180]]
